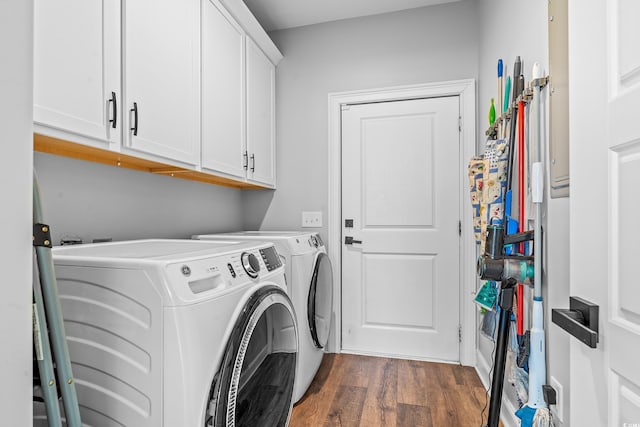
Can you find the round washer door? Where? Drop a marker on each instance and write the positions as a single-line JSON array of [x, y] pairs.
[[320, 300], [254, 383]]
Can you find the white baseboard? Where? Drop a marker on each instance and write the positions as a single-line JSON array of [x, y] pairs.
[[508, 411]]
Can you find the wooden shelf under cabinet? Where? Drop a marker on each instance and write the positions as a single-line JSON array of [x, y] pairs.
[[46, 144]]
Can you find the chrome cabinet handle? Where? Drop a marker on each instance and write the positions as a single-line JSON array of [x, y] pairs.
[[253, 162]]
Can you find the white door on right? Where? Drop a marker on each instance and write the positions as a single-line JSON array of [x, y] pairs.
[[401, 206], [604, 206]]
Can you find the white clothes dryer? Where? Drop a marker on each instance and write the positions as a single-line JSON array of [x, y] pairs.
[[178, 333], [310, 286]]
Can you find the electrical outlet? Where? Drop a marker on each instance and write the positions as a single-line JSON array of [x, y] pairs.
[[311, 219], [558, 408]]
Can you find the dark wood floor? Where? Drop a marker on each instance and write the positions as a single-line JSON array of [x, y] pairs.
[[363, 391]]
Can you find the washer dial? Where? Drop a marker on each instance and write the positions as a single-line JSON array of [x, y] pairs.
[[250, 264]]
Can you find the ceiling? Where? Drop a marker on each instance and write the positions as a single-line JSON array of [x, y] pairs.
[[281, 14]]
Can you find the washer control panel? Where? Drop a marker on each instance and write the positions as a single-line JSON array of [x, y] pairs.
[[195, 278], [270, 257]]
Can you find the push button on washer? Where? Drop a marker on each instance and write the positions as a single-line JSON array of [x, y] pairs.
[[231, 270]]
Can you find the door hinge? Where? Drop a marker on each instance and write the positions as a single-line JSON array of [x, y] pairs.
[[459, 123], [459, 333], [459, 228]]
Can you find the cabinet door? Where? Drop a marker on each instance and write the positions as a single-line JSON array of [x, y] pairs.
[[222, 91], [260, 116], [77, 69], [162, 78]]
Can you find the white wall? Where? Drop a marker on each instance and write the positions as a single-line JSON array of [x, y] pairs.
[[91, 200], [16, 115], [416, 46], [519, 27]]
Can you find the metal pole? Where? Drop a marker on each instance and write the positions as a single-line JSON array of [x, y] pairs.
[[42, 348], [497, 382], [53, 313]]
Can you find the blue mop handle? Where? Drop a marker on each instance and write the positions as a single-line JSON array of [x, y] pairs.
[[511, 224]]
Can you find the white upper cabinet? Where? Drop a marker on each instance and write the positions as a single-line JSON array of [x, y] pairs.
[[77, 70], [261, 147], [162, 78], [223, 118], [186, 86], [238, 92]]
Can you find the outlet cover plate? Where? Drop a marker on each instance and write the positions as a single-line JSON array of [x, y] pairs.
[[558, 408], [311, 219]]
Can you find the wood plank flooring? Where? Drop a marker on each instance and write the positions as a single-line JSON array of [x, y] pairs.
[[362, 391]]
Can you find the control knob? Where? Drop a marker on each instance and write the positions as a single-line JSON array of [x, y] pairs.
[[250, 264]]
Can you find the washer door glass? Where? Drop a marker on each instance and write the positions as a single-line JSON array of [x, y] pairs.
[[254, 385], [320, 300]]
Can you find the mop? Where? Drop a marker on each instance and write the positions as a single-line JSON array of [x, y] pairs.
[[536, 413]]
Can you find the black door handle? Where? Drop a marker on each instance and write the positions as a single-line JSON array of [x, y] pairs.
[[135, 118], [114, 104], [580, 320], [348, 240]]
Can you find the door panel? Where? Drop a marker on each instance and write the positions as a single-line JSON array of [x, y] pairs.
[[605, 382], [391, 281], [624, 233], [624, 327], [400, 186], [387, 167]]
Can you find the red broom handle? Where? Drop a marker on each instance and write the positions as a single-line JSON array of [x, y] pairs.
[[521, 218]]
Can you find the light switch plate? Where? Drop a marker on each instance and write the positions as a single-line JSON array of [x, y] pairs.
[[311, 219]]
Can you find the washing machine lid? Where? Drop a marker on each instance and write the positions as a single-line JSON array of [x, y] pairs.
[[320, 300], [151, 249]]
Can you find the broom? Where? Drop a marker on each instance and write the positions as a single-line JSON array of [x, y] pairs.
[[536, 413]]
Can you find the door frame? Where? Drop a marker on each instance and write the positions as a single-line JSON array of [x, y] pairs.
[[466, 91]]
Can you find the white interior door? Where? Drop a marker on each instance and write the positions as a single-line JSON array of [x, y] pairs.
[[605, 167], [400, 185]]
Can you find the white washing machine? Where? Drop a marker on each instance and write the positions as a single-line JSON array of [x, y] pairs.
[[310, 282], [178, 333]]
